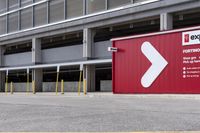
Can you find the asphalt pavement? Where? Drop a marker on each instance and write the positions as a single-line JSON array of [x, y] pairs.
[[48, 112]]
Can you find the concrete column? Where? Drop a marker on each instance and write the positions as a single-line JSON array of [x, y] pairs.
[[36, 51], [2, 74], [89, 75], [166, 21], [88, 40], [88, 50], [37, 74]]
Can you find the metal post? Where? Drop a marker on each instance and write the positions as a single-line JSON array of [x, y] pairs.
[[84, 87], [65, 9], [62, 86], [6, 87], [84, 7], [6, 90], [33, 86], [107, 5], [27, 84], [11, 87], [79, 84], [57, 78], [80, 79], [33, 14], [7, 17], [48, 12]]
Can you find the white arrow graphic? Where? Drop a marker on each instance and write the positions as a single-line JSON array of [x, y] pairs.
[[158, 64]]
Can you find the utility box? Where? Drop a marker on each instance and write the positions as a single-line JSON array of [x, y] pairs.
[[158, 63]]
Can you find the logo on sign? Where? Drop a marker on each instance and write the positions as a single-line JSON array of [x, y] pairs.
[[187, 38], [191, 38]]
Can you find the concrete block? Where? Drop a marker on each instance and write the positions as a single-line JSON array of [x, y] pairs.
[[20, 87], [106, 85], [68, 86]]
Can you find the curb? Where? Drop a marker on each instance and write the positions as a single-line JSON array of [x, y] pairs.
[[109, 94]]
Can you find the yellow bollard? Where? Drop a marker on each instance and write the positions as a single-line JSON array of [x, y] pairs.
[[79, 84], [6, 87], [57, 83], [84, 87], [11, 87], [62, 86], [33, 86], [27, 84]]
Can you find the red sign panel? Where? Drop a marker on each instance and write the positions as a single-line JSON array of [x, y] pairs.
[[157, 63]]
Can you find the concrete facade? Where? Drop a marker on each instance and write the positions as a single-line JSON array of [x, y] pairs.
[[88, 24]]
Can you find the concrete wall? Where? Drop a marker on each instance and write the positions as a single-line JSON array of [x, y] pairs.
[[101, 49], [62, 54], [18, 59], [47, 87], [68, 86], [106, 85], [75, 52], [20, 87]]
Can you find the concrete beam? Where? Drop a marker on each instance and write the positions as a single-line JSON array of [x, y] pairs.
[[88, 62]]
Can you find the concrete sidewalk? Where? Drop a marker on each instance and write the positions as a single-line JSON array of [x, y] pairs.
[[108, 94]]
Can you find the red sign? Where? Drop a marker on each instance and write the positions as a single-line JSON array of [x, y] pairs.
[[166, 62]]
